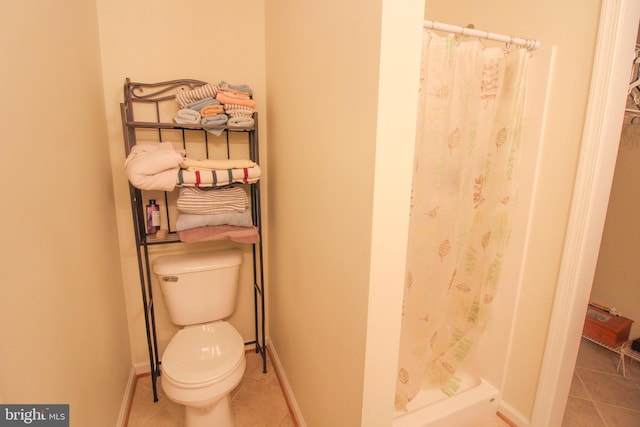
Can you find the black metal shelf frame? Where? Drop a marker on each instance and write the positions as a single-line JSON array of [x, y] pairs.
[[155, 95]]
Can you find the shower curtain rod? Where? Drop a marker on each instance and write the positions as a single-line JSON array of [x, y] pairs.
[[527, 43]]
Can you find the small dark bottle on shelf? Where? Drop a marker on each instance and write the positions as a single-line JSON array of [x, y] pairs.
[[153, 217]]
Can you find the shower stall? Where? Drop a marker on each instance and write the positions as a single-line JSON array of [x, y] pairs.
[[474, 183]]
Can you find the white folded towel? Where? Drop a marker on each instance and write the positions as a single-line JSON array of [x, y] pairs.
[[211, 164]]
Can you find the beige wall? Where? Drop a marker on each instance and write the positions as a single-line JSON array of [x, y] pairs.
[[64, 332], [571, 26], [153, 41], [330, 158], [322, 61], [616, 280]]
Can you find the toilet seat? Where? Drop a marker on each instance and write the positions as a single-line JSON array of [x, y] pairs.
[[203, 354]]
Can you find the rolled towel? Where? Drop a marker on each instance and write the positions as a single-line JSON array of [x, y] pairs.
[[211, 110], [187, 115], [240, 122], [185, 97], [217, 120]]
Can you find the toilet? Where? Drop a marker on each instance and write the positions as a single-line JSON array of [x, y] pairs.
[[205, 359]]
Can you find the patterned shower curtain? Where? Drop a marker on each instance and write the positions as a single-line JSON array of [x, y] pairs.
[[468, 145]]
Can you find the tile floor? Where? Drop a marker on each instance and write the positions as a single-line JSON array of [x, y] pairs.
[[600, 396], [258, 401]]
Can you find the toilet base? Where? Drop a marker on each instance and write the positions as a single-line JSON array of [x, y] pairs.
[[217, 415]]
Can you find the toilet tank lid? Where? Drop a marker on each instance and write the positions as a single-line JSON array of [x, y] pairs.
[[197, 261]]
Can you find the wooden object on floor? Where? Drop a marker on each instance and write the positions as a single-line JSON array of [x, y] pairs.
[[605, 327]]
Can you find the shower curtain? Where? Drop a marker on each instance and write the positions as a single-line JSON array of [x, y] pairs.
[[468, 144]]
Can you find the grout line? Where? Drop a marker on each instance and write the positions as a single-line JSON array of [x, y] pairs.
[[584, 386], [600, 414], [590, 397]]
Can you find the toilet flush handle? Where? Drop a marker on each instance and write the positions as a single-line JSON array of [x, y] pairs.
[[169, 278]]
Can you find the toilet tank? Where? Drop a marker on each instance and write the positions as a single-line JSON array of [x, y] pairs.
[[199, 287]]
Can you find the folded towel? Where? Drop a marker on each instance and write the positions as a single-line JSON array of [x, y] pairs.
[[227, 100], [211, 110], [187, 115], [240, 122], [235, 94], [217, 120], [240, 219], [153, 166], [234, 110], [239, 88], [221, 232], [211, 164], [185, 97], [218, 178], [199, 105], [192, 200]]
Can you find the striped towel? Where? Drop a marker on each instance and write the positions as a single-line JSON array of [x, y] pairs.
[[185, 97], [218, 178], [235, 110], [209, 201]]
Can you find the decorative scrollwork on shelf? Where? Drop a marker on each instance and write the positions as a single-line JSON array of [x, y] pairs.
[[155, 92]]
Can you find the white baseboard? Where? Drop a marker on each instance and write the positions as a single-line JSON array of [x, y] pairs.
[[286, 388], [512, 415], [142, 368], [127, 398]]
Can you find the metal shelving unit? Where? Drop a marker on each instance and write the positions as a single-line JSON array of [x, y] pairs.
[[146, 117]]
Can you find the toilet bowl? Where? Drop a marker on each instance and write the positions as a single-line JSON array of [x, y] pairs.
[[205, 359], [200, 367]]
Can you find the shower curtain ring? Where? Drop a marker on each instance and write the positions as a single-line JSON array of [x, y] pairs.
[[460, 35], [511, 40]]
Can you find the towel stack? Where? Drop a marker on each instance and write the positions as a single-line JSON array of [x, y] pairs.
[[216, 104], [199, 106], [215, 214], [216, 210], [238, 104]]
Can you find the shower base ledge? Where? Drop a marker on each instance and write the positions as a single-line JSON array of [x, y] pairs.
[[434, 409]]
